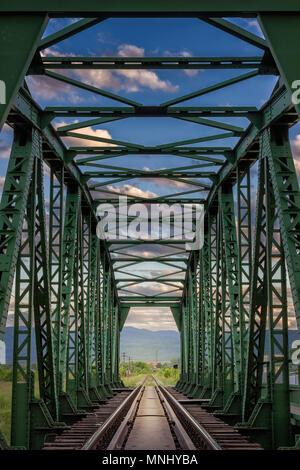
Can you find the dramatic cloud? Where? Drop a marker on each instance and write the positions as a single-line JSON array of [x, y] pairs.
[[155, 319], [130, 191], [50, 89], [128, 80], [76, 142]]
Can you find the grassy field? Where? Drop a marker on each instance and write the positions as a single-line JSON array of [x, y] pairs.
[[171, 380], [168, 377], [5, 408]]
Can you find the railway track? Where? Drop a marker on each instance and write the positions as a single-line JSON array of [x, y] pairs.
[[151, 417]]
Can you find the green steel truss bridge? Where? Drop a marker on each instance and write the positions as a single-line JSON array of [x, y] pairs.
[[229, 299]]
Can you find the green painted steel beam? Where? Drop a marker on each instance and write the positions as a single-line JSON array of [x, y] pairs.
[[138, 281], [115, 8], [83, 124], [116, 151], [284, 52], [133, 63], [101, 139], [170, 146], [12, 210], [238, 32], [209, 89], [150, 111], [176, 312], [269, 115], [149, 174], [151, 260], [16, 55], [115, 201], [217, 125], [93, 89], [68, 32]]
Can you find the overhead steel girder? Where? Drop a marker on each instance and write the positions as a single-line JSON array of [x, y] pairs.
[[15, 55], [278, 108], [133, 63], [104, 113], [190, 8], [285, 53]]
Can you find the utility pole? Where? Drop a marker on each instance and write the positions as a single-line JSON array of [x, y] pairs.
[[124, 356]]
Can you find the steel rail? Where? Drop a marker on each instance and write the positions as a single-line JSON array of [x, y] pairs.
[[106, 432], [189, 423]]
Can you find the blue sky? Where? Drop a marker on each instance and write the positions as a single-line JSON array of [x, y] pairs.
[[156, 38]]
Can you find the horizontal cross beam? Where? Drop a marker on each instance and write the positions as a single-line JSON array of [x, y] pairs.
[[153, 8], [185, 63], [150, 111]]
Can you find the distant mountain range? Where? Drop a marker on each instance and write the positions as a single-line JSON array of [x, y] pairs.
[[140, 344], [146, 345]]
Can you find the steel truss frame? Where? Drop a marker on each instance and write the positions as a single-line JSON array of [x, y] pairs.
[[69, 297]]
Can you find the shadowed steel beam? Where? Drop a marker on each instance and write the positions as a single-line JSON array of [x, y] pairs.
[[285, 53], [226, 135], [218, 125], [68, 32], [150, 111], [102, 139], [16, 55], [93, 89], [83, 124], [155, 8], [238, 32], [216, 86], [133, 63]]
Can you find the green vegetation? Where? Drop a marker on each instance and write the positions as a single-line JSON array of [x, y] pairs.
[[134, 372], [5, 408], [167, 375], [5, 397]]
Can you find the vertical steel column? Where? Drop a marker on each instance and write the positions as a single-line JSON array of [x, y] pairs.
[[42, 307], [12, 211], [258, 303], [23, 376], [231, 256], [244, 240], [68, 257], [56, 223]]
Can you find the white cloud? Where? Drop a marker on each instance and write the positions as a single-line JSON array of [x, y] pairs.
[[76, 142], [128, 80], [155, 319], [129, 50], [131, 191], [184, 53]]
